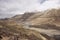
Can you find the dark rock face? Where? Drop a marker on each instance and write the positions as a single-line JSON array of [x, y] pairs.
[[57, 37], [25, 16], [0, 37]]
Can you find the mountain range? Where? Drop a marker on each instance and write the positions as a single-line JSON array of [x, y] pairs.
[[48, 19]]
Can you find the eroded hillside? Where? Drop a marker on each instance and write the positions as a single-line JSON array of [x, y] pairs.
[[31, 26]]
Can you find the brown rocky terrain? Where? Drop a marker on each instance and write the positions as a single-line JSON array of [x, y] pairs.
[[31, 26]]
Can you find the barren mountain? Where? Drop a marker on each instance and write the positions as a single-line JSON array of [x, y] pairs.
[[32, 25], [48, 16], [35, 18]]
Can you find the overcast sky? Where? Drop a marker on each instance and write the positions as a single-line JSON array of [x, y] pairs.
[[9, 8]]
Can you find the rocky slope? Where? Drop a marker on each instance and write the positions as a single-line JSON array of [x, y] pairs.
[[48, 16], [13, 31], [48, 19]]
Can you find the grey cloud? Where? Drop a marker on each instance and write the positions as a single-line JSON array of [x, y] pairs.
[[13, 7], [42, 1]]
